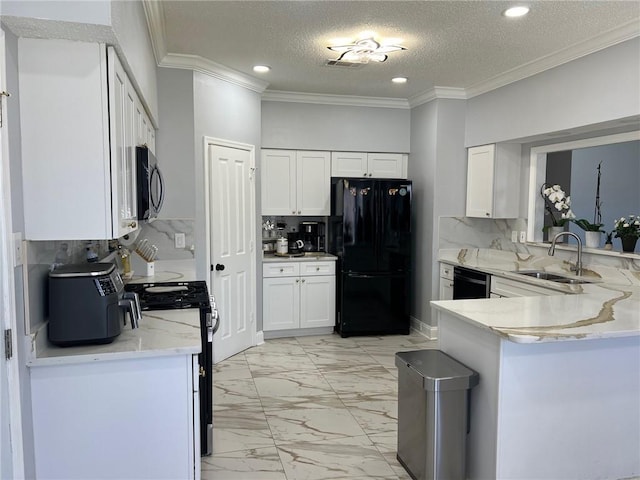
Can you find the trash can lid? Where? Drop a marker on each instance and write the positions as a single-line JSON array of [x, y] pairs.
[[438, 370]]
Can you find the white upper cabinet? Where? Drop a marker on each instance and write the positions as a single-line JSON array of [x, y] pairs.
[[296, 183], [493, 181], [369, 165], [78, 122]]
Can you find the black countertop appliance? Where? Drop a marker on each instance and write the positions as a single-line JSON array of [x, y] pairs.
[[88, 305], [370, 232]]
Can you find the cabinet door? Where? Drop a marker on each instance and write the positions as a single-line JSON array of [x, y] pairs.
[[480, 176], [281, 303], [313, 183], [387, 165], [122, 101], [279, 182], [349, 164], [317, 301], [446, 289]]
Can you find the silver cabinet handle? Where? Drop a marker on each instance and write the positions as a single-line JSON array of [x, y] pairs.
[[303, 280]]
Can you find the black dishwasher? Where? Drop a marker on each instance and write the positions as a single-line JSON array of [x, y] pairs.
[[469, 283]]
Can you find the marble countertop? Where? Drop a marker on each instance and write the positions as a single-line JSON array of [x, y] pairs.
[[607, 307], [308, 257], [160, 333]]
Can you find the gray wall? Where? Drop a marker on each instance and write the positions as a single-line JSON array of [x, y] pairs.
[[175, 146], [596, 88], [305, 126], [229, 112], [438, 168], [619, 192], [130, 27]]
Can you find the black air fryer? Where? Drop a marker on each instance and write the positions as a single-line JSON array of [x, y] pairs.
[[87, 304]]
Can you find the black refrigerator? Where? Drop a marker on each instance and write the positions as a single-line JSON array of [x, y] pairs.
[[370, 232]]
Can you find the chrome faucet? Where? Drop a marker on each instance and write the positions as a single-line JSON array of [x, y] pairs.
[[552, 250]]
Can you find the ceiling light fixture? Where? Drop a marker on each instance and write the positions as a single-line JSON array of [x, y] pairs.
[[516, 11], [399, 80], [364, 51], [261, 68]]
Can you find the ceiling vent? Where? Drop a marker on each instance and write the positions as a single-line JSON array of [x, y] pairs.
[[343, 63]]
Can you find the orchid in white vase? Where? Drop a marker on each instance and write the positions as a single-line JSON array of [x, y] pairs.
[[555, 198]]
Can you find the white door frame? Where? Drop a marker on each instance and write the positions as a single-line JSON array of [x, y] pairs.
[[252, 212], [7, 288]]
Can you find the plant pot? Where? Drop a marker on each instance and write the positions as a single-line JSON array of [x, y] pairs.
[[628, 243], [553, 231], [592, 239]]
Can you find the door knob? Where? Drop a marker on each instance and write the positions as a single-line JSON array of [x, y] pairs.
[[219, 267]]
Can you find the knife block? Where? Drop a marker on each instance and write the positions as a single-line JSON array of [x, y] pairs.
[[141, 267]]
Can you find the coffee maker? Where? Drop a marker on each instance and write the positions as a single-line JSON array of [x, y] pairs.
[[312, 236]]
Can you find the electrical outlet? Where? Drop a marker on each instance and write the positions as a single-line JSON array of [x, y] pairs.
[[523, 237], [514, 236], [179, 240]]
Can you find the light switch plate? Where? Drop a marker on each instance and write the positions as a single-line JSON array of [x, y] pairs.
[[179, 240], [523, 237], [514, 236], [18, 252]]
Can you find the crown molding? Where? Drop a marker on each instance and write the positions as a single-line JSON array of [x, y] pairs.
[[436, 93], [326, 99], [621, 34], [213, 69], [154, 11]]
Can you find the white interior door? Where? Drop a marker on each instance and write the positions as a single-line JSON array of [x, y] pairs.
[[11, 453], [232, 245]]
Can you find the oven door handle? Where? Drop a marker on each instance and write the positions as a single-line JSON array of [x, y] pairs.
[[469, 280], [213, 329]]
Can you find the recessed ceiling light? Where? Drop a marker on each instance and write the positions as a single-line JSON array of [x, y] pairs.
[[516, 11], [261, 68], [399, 80]]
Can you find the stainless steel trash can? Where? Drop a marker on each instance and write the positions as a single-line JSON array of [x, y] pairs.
[[433, 406]]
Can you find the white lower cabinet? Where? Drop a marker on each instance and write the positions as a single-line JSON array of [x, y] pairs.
[[116, 419], [506, 288], [298, 295], [446, 282]]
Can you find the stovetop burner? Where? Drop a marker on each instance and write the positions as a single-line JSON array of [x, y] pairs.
[[171, 295]]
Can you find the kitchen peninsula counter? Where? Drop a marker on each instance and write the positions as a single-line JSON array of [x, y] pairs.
[[559, 375]]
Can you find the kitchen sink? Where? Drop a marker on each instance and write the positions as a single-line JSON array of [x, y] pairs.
[[553, 277]]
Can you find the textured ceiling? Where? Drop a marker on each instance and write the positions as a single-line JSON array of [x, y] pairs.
[[459, 44]]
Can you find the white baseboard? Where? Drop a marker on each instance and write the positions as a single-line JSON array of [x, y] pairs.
[[424, 329], [260, 338]]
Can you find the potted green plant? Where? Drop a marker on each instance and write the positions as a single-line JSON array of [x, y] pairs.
[[608, 243], [628, 231], [592, 232], [557, 205]]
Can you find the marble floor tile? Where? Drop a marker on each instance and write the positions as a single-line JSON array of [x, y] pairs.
[[309, 408], [253, 464], [328, 357], [310, 419], [291, 384], [375, 413], [347, 458], [271, 362], [365, 380], [234, 391]]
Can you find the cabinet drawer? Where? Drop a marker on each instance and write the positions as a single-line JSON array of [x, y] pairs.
[[446, 271], [280, 269], [317, 268]]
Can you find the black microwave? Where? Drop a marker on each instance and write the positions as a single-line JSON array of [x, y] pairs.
[[150, 184]]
